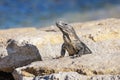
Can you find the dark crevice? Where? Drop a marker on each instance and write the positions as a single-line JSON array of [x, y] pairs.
[[40, 72], [6, 76], [81, 72]]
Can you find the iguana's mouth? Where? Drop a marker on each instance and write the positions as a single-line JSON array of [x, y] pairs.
[[64, 27], [59, 23]]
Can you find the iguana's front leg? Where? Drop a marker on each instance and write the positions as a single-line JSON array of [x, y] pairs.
[[63, 50]]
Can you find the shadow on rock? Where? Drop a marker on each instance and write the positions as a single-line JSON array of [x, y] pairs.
[[6, 76]]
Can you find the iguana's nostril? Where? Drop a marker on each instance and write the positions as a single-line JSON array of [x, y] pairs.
[[65, 24]]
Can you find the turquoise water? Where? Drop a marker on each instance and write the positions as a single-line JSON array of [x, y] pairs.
[[41, 13]]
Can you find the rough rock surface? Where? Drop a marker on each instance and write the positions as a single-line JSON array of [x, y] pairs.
[[102, 37], [76, 76], [62, 76], [89, 65], [26, 48]]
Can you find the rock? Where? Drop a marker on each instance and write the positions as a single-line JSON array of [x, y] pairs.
[[48, 43], [102, 37], [105, 77], [76, 76], [19, 54], [70, 76], [30, 45], [62, 76], [88, 65]]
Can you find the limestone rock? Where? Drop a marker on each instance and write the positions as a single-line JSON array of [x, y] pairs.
[[76, 76], [89, 65], [102, 37], [29, 45], [69, 76]]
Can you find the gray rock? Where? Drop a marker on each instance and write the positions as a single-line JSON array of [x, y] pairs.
[[19, 54], [76, 76], [105, 77], [61, 76]]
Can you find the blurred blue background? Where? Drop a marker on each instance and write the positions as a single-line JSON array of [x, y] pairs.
[[41, 13]]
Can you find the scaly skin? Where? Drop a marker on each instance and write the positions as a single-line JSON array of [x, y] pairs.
[[72, 43]]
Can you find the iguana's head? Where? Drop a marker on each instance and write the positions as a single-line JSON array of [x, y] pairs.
[[65, 27]]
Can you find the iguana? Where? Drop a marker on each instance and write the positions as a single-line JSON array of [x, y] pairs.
[[72, 44]]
